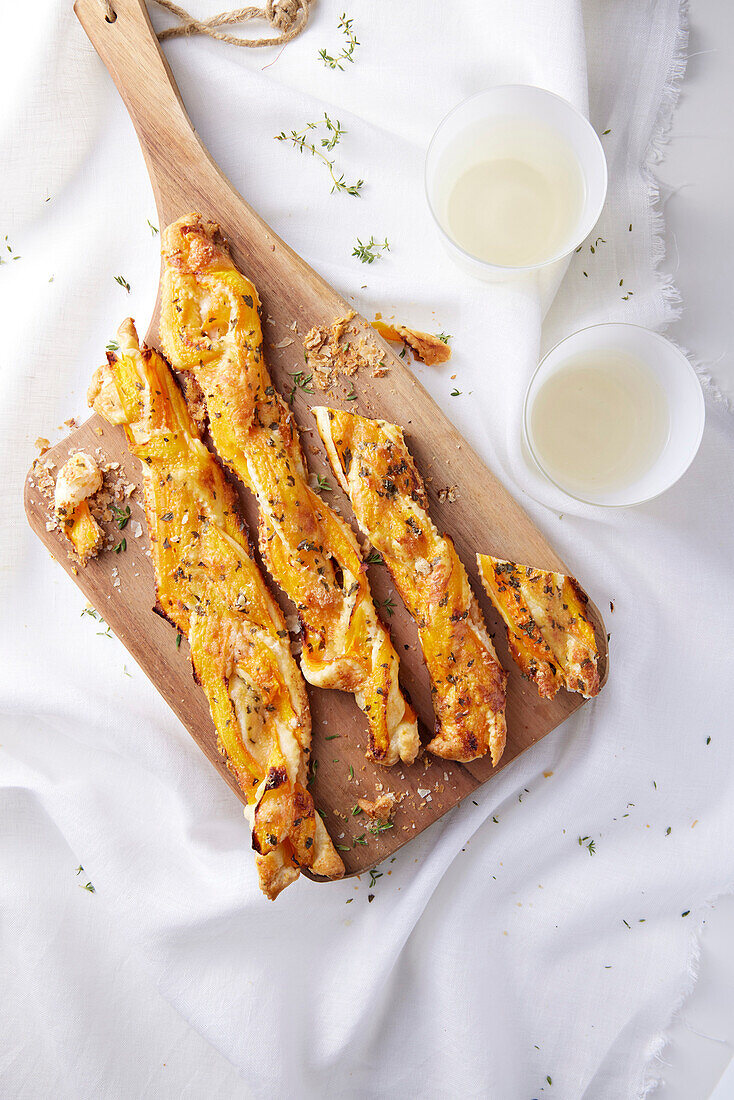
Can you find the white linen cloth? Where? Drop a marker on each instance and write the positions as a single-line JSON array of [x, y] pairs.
[[498, 959]]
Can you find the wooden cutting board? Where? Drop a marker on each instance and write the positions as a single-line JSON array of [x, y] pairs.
[[481, 518]]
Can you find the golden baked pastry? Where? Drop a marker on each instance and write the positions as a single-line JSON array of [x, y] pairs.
[[79, 479], [211, 589], [210, 328], [550, 637], [373, 465]]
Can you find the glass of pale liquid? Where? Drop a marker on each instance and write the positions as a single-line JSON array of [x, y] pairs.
[[516, 179], [614, 415]]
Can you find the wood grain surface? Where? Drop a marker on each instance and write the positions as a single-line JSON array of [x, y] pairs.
[[482, 518]]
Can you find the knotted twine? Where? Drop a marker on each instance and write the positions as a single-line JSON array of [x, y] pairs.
[[288, 17]]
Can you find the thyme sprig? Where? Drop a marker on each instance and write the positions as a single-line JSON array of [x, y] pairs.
[[84, 885], [301, 381], [122, 281], [121, 516], [588, 843], [371, 251], [323, 484], [328, 141], [347, 52], [107, 633], [387, 605]]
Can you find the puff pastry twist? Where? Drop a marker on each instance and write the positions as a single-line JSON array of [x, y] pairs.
[[210, 328], [211, 589], [373, 465]]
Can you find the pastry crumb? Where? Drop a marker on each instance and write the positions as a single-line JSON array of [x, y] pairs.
[[336, 350], [381, 809]]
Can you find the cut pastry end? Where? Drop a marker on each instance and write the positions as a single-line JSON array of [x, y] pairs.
[[463, 750], [78, 480], [550, 636]]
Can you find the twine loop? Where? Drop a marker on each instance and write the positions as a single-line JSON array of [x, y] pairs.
[[287, 17]]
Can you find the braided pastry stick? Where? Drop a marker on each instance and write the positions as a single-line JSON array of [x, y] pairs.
[[210, 588], [210, 327], [373, 465]]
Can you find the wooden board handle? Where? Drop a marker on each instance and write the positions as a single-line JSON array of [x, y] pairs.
[[128, 46]]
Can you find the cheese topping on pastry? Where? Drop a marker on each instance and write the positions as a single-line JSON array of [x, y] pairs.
[[549, 634], [373, 465], [211, 589], [210, 328]]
